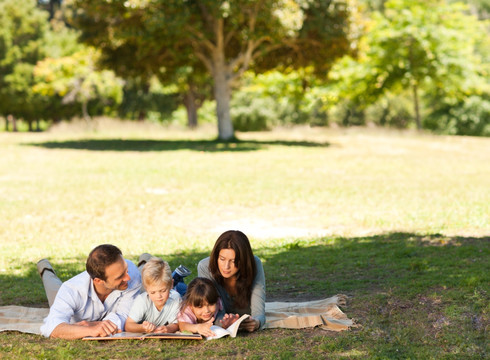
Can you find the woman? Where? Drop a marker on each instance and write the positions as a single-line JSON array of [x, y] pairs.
[[238, 276]]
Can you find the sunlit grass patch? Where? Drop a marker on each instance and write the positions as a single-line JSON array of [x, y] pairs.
[[396, 221]]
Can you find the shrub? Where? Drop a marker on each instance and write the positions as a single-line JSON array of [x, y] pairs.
[[470, 116]]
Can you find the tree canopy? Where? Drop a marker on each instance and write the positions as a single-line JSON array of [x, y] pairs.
[[422, 45], [22, 44], [226, 38]]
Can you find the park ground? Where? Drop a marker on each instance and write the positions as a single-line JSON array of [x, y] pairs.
[[396, 220]]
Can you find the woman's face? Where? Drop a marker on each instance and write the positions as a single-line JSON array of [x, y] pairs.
[[226, 263]]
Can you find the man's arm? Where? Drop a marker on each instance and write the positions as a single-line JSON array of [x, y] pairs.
[[83, 329]]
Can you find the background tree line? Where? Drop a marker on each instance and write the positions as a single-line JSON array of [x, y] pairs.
[[248, 65]]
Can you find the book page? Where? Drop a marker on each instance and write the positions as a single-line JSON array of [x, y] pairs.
[[141, 336], [121, 335], [218, 331], [229, 331], [233, 328], [176, 335]]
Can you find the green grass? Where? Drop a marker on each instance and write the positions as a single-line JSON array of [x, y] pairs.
[[397, 221]]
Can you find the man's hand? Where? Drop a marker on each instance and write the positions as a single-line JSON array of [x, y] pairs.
[[103, 328]]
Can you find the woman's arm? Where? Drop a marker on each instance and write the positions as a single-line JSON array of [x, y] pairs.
[[257, 299]]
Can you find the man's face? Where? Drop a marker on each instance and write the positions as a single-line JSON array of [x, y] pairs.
[[117, 276]]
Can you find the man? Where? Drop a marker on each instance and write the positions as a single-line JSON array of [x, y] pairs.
[[93, 303]]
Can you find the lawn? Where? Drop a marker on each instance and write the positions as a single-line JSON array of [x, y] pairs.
[[397, 221]]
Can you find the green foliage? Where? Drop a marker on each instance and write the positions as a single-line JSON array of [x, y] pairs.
[[431, 48], [251, 113], [274, 98], [216, 39], [393, 110], [470, 116], [75, 80], [143, 100], [22, 40]]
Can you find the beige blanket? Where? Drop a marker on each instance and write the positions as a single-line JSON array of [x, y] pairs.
[[291, 315]]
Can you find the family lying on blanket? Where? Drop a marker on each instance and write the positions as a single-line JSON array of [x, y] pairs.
[[106, 298]]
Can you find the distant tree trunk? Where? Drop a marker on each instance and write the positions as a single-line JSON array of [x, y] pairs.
[[142, 112], [85, 113], [38, 125], [190, 102], [29, 124], [141, 115], [222, 94], [6, 123], [416, 106], [12, 120]]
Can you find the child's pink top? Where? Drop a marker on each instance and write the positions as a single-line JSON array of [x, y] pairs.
[[188, 316]]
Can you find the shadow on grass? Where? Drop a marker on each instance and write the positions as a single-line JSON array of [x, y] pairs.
[[413, 297], [171, 145], [405, 263], [402, 262]]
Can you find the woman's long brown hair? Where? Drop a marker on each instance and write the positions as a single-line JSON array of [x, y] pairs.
[[244, 261]]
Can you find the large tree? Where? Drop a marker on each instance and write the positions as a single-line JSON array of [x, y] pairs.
[[22, 43], [226, 38], [424, 45]]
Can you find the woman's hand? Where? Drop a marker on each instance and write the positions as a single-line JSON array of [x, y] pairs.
[[250, 324], [228, 319]]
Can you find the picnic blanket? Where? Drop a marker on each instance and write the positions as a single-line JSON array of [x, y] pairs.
[[324, 313]]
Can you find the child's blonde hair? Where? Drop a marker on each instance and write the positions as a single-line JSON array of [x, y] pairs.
[[156, 271]]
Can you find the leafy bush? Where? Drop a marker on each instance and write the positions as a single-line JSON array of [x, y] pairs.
[[470, 116], [391, 110], [347, 113], [252, 113]]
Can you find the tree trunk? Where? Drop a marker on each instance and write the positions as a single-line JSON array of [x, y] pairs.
[[6, 123], [191, 107], [222, 94], [141, 115], [14, 123], [29, 124], [416, 106], [146, 91], [85, 113], [38, 125]]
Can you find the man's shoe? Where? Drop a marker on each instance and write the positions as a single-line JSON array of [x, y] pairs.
[[144, 259], [43, 265]]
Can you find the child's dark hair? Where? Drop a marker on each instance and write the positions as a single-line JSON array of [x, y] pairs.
[[199, 291]]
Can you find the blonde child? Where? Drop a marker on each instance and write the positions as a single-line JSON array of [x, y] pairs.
[[202, 307], [156, 309]]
